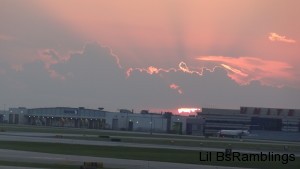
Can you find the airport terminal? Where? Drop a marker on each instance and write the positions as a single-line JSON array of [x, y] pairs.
[[208, 121], [252, 118], [97, 119], [96, 131]]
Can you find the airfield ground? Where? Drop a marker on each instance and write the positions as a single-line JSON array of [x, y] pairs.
[[167, 149]]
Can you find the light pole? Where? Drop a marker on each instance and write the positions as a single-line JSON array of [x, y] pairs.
[[151, 124], [127, 125]]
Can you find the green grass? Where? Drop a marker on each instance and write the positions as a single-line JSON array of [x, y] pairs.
[[92, 134], [65, 130], [96, 132], [165, 155], [198, 143]]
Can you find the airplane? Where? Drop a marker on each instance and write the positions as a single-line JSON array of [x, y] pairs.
[[233, 133]]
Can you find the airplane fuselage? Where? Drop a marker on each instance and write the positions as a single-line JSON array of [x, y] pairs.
[[233, 133]]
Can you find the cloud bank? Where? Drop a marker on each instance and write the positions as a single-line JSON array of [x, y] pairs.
[[243, 70], [93, 78], [275, 37], [44, 62]]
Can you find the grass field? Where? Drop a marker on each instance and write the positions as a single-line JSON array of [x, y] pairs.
[[60, 130], [194, 141], [165, 155], [198, 143]]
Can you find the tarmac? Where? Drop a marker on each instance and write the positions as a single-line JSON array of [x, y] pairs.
[[45, 137], [27, 156]]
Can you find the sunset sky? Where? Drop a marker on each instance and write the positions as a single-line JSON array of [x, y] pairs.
[[150, 54]]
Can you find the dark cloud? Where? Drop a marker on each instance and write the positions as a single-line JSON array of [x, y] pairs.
[[93, 78]]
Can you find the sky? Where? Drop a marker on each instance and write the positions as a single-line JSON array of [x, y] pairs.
[[150, 54]]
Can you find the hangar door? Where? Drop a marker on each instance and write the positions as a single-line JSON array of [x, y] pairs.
[[259, 123]]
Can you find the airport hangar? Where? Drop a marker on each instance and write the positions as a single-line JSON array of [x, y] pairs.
[[207, 122], [81, 117], [251, 118]]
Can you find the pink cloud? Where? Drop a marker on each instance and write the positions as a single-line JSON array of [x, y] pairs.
[[182, 67], [243, 70], [176, 87], [50, 57], [275, 37], [150, 70]]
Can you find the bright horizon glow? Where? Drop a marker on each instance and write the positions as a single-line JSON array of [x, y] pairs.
[[188, 110]]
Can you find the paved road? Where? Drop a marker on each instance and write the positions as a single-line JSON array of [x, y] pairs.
[[218, 140], [33, 137], [12, 155], [14, 167], [108, 162]]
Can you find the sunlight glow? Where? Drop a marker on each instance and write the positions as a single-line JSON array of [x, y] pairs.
[[188, 110]]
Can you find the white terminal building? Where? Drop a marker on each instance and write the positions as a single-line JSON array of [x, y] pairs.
[[207, 121], [81, 117]]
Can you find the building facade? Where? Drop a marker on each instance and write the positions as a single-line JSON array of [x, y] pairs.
[[273, 119], [207, 122], [98, 119], [223, 119], [251, 118]]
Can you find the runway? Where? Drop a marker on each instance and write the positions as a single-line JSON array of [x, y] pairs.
[[27, 156], [181, 138], [14, 167], [12, 155], [45, 137]]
